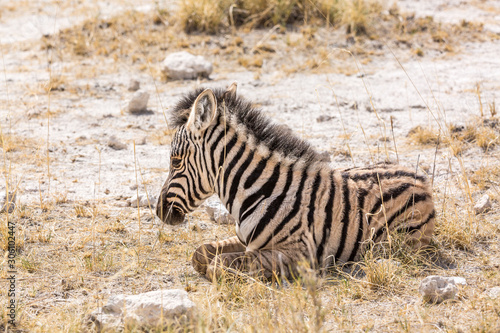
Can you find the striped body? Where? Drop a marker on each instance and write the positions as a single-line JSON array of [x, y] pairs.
[[289, 204]]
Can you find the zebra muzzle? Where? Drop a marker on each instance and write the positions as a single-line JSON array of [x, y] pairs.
[[169, 213]]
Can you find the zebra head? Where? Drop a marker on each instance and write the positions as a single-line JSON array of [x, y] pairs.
[[189, 183]]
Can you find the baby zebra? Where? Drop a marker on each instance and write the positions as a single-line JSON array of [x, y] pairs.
[[288, 203]]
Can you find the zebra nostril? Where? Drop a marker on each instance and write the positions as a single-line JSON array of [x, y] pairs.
[[174, 217], [169, 213]]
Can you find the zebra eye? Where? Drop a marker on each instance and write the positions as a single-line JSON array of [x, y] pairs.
[[176, 162]]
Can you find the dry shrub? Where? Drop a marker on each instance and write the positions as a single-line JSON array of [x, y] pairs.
[[122, 36], [10, 142], [202, 15], [486, 176], [423, 135], [454, 230], [483, 132], [380, 273], [211, 15], [357, 14]]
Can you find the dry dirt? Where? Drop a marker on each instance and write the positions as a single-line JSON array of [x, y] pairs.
[[79, 242]]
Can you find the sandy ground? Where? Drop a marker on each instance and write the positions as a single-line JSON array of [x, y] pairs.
[[434, 90], [413, 93]]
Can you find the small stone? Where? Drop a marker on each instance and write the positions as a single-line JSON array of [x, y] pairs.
[[483, 205], [115, 144], [134, 85], [146, 310], [122, 204], [493, 293], [8, 204], [323, 118], [139, 102], [142, 202], [141, 142], [436, 289], [218, 212], [185, 66]]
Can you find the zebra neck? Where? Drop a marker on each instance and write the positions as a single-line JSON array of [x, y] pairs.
[[249, 175]]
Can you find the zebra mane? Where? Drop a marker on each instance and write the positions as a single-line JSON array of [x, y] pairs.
[[276, 137]]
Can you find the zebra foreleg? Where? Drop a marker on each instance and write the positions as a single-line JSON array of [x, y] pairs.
[[266, 264], [204, 254]]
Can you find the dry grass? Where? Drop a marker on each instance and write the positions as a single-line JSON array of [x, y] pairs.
[[85, 257], [211, 16], [140, 39], [486, 176], [424, 135], [483, 132], [205, 15], [10, 142]]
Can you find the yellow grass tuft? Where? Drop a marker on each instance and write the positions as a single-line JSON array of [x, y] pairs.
[[211, 16], [203, 15], [423, 135], [256, 60], [380, 273]]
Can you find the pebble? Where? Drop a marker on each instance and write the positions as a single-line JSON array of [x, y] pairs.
[[323, 118], [143, 201], [483, 204], [115, 144], [139, 102], [134, 85]]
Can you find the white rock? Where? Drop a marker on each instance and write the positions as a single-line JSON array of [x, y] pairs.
[[115, 144], [185, 66], [458, 281], [218, 212], [493, 292], [139, 102], [143, 201], [8, 205], [483, 205], [134, 85], [150, 309], [436, 289]]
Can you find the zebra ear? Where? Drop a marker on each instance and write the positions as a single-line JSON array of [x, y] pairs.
[[203, 111], [231, 91]]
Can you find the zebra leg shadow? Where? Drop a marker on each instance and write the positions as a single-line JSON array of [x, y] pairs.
[[267, 264]]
